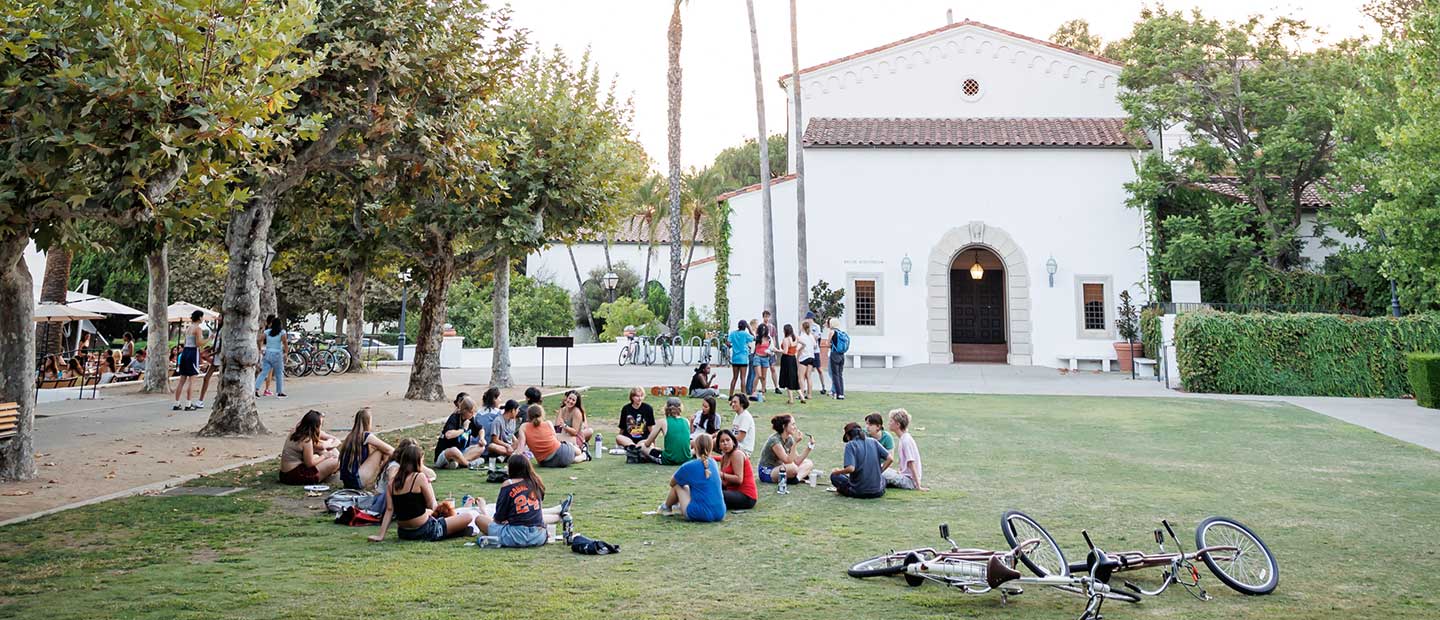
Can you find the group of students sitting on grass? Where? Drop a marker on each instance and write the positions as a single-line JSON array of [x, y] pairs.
[[714, 473]]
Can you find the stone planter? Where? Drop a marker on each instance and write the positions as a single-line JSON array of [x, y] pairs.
[[1125, 352]]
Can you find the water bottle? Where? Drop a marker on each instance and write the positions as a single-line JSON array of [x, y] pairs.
[[599, 446], [488, 542], [783, 487]]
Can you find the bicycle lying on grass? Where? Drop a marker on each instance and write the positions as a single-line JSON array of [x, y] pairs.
[[978, 571]]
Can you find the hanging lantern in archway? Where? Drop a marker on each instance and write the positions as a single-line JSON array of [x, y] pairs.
[[976, 271]]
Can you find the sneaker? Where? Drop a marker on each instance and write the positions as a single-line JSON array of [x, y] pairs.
[[199, 404], [189, 407], [839, 397], [822, 391], [663, 510], [281, 395], [175, 407], [257, 393], [269, 393], [777, 391]]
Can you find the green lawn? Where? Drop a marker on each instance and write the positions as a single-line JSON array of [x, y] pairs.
[[1350, 514]]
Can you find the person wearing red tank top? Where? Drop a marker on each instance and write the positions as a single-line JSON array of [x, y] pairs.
[[737, 478]]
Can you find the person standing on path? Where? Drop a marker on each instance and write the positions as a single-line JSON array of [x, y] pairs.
[[821, 348], [789, 366], [808, 357], [740, 342], [839, 341], [188, 362], [273, 349], [127, 353], [774, 359]]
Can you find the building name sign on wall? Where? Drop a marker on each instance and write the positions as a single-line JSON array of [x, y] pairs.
[[861, 261]]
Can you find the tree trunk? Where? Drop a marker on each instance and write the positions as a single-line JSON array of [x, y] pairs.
[[340, 310], [269, 302], [53, 287], [764, 144], [802, 260], [355, 315], [17, 356], [425, 371], [584, 299], [500, 360], [245, 241], [673, 90], [157, 335]]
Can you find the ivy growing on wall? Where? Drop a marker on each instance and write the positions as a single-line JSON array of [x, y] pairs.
[[722, 266]]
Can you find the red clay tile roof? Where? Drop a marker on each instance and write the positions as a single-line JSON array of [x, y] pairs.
[[969, 133], [752, 188], [945, 28], [1229, 187]]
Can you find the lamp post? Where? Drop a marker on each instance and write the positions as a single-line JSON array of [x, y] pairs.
[[404, 295], [905, 267], [1394, 294], [610, 280]]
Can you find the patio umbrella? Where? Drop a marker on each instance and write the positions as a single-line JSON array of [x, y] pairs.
[[96, 303], [180, 311], [51, 312]]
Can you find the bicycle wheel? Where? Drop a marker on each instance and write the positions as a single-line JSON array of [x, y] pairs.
[[1045, 560], [667, 353], [294, 364], [624, 356], [649, 354], [1251, 570], [340, 360], [320, 363], [883, 565]]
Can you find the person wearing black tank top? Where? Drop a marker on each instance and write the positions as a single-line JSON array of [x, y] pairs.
[[410, 503]]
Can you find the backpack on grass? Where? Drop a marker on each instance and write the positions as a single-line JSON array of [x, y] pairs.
[[346, 498], [356, 517], [841, 344]]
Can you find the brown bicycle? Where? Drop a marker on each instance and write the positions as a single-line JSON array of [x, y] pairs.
[[1232, 552]]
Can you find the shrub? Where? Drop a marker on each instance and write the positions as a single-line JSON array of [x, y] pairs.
[[536, 309], [626, 311], [1300, 354], [592, 292], [1127, 321], [657, 299], [1425, 378], [697, 322], [1150, 333], [827, 303]]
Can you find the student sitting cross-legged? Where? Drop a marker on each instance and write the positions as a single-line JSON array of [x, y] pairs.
[[736, 476], [906, 474], [783, 454], [695, 493], [865, 458], [519, 518], [309, 455], [673, 437]]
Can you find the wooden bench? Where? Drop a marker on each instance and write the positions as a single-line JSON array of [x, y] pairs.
[[9, 419], [92, 382], [1075, 359], [853, 358], [50, 384]]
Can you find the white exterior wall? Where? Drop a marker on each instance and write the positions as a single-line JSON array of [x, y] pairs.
[[869, 208], [923, 79], [1314, 237], [553, 263]]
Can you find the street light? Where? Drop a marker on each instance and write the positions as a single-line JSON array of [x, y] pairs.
[[610, 281], [404, 295]]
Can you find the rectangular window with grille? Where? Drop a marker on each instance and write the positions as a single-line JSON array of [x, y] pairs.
[[1094, 305], [865, 303]]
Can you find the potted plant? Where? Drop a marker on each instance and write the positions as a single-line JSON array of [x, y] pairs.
[[1127, 322]]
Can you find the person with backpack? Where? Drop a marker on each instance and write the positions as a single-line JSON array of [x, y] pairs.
[[839, 346]]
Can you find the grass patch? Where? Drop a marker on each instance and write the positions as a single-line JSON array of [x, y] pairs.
[[1348, 512]]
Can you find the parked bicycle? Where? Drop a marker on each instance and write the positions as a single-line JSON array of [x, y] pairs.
[[1232, 552]]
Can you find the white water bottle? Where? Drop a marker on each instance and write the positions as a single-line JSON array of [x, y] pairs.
[[783, 487], [599, 446]]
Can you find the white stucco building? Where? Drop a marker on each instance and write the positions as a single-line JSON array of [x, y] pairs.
[[966, 144]]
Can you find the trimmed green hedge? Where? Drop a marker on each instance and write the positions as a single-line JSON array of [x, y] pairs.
[[1425, 378], [1300, 354]]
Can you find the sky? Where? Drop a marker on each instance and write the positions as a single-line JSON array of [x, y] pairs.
[[626, 39]]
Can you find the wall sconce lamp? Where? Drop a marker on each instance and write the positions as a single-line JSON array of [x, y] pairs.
[[1051, 267], [905, 266]]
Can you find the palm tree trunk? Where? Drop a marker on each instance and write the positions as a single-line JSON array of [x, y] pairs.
[[500, 352], [801, 253], [157, 335], [764, 144], [52, 289], [17, 356], [584, 300], [673, 81]]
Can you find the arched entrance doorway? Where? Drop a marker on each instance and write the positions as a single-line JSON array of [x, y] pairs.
[[977, 306]]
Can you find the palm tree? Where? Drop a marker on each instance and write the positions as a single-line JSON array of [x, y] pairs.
[[801, 257], [701, 188], [764, 143], [672, 80], [650, 208], [53, 287]]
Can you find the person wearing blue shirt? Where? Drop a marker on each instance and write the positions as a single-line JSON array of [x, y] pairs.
[[865, 459], [695, 490], [740, 341]]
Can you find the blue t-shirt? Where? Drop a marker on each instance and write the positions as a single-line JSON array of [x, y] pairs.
[[519, 504], [707, 503], [486, 421], [866, 455], [740, 347]]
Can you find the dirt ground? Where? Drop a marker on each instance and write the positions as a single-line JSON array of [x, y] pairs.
[[94, 460]]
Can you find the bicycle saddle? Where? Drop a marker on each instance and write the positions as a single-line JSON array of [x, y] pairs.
[[1099, 565], [998, 572]]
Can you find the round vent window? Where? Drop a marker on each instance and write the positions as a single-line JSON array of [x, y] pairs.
[[971, 88]]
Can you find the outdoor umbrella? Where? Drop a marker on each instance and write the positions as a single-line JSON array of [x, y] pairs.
[[48, 312], [180, 311], [96, 303]]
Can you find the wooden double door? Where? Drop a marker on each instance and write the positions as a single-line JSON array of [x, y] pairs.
[[977, 308]]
